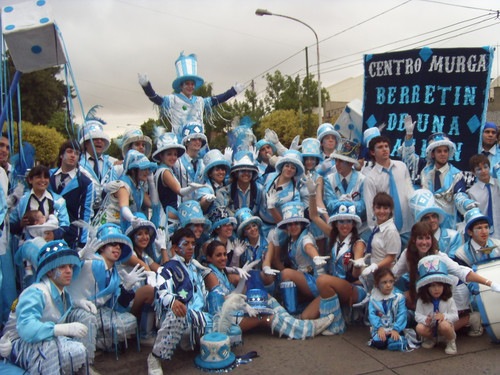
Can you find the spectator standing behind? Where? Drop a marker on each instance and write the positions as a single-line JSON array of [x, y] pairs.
[[490, 147]]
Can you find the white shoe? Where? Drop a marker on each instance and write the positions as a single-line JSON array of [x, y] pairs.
[[451, 347], [475, 329], [428, 343], [323, 323], [154, 365]]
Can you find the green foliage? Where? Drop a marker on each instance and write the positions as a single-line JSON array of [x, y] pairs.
[[285, 123], [114, 149]]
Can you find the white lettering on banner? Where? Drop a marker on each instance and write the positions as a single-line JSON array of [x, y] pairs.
[[425, 122], [427, 94], [458, 64], [394, 67]]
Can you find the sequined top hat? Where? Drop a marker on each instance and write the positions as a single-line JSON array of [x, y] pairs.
[[56, 254], [369, 134], [220, 216], [186, 68], [193, 130], [436, 140], [311, 147], [264, 142], [190, 212], [474, 215], [294, 157], [144, 223], [347, 151], [215, 353], [327, 129], [244, 161], [422, 202], [111, 233], [136, 135], [292, 212], [135, 159], [168, 141], [345, 210], [214, 158], [92, 129], [244, 216], [257, 296], [432, 269]]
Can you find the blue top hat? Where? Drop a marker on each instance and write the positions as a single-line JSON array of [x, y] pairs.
[[264, 142], [244, 161], [436, 140], [369, 134], [422, 202], [294, 157], [348, 151], [215, 353], [144, 223], [132, 136], [311, 147], [244, 216], [193, 130], [292, 212], [92, 129], [345, 210], [220, 216], [190, 212], [327, 129], [432, 269], [110, 233], [474, 215], [56, 254], [214, 158], [168, 141], [186, 68], [135, 159]]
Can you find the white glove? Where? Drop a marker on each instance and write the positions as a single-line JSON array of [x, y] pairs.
[[320, 261], [71, 329], [310, 184], [90, 248], [254, 152], [250, 310], [271, 136], [295, 143], [322, 210], [273, 160], [130, 279], [239, 247], [143, 79], [192, 186], [359, 263], [228, 154], [345, 197], [495, 287], [161, 239], [209, 197], [409, 125], [272, 198], [16, 195], [86, 305], [370, 269], [238, 87], [242, 273], [250, 265], [5, 346], [126, 214], [203, 270], [270, 271]]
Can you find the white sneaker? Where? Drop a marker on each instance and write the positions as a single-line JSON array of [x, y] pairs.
[[154, 365], [428, 343], [475, 329], [451, 347]]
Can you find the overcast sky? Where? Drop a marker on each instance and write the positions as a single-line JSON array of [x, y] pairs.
[[110, 41]]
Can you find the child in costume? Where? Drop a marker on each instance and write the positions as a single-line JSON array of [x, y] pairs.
[[436, 310], [43, 339], [386, 313]]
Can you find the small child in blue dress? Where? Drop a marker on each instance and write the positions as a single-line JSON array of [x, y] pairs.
[[386, 313]]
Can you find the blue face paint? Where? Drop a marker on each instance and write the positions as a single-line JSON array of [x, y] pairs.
[[182, 245]]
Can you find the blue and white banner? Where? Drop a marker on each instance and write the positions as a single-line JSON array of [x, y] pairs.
[[444, 90]]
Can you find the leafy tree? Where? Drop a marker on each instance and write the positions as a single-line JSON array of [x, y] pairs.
[[114, 149], [284, 122]]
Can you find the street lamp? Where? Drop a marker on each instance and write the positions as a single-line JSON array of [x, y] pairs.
[[265, 12]]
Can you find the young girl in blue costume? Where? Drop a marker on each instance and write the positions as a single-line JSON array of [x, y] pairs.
[[294, 253], [436, 311], [43, 340], [217, 166], [280, 187], [128, 196], [191, 216], [341, 285], [386, 312], [277, 318], [106, 292]]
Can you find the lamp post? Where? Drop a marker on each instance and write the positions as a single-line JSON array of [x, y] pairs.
[[265, 12]]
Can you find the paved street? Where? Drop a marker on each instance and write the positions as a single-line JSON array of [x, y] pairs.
[[346, 354]]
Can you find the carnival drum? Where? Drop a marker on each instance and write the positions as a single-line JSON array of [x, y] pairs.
[[488, 301]]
